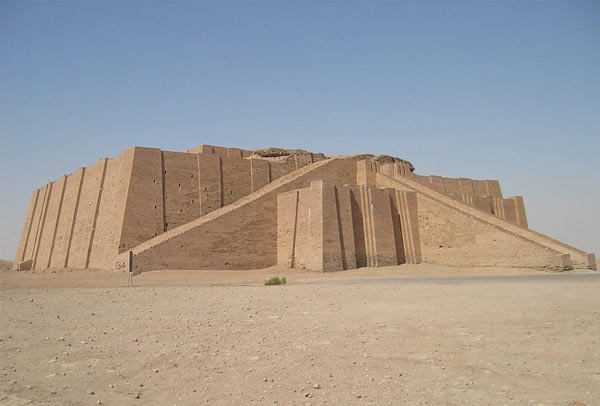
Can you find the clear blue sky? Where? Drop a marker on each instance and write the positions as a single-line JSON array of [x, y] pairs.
[[497, 90]]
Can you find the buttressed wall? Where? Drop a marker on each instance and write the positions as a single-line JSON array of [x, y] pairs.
[[228, 208], [328, 228], [85, 219]]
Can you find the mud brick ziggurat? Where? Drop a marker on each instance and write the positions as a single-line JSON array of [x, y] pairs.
[[226, 208]]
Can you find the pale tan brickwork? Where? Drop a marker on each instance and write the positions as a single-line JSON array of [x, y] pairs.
[[228, 208], [330, 228]]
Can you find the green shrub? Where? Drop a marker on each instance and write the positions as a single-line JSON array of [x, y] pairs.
[[275, 280]]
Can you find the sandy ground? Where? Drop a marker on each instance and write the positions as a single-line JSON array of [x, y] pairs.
[[400, 335], [67, 278]]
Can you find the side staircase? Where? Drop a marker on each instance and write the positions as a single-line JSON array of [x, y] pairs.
[[122, 259], [577, 257]]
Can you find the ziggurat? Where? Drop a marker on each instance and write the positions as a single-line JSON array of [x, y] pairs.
[[226, 208]]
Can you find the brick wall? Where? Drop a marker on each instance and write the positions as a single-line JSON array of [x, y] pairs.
[[485, 195], [76, 220], [88, 218], [328, 228], [27, 226], [109, 219], [48, 231], [520, 215], [209, 167], [85, 219], [36, 224], [452, 238], [144, 209], [221, 151], [346, 226], [260, 173], [456, 234], [181, 188], [237, 237], [236, 180], [86, 214], [66, 221]]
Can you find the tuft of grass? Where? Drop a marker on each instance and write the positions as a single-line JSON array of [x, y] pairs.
[[275, 280]]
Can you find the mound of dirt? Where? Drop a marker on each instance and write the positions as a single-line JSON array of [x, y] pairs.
[[281, 154], [384, 159]]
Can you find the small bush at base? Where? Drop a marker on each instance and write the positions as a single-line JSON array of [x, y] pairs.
[[275, 281]]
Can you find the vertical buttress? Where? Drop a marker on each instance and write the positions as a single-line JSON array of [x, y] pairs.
[[36, 247], [74, 217], [22, 248], [221, 180], [60, 203], [163, 174], [96, 209], [295, 230]]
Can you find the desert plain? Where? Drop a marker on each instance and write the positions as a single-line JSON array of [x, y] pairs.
[[409, 334]]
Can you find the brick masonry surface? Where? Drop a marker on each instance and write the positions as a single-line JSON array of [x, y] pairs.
[[226, 208]]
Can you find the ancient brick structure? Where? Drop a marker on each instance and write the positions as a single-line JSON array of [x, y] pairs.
[[226, 208]]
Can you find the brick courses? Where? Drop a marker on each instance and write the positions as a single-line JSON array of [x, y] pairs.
[[226, 208]]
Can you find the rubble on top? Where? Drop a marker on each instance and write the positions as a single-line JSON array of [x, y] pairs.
[[282, 154]]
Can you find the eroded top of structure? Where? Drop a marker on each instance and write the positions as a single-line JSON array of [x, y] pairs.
[[283, 154]]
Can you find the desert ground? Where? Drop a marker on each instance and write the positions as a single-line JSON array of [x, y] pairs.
[[411, 334]]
